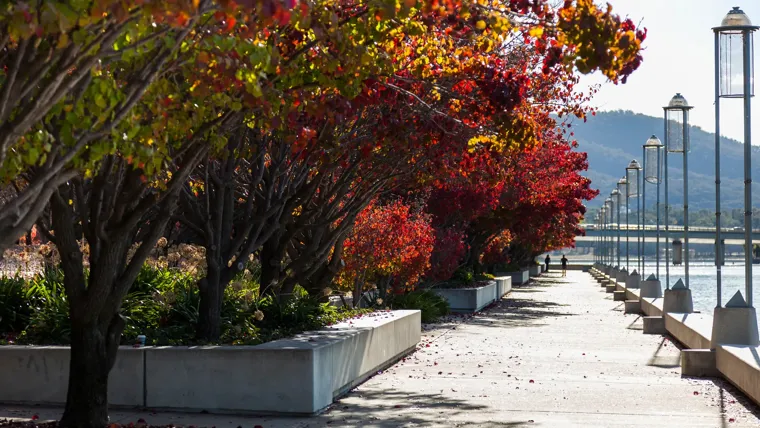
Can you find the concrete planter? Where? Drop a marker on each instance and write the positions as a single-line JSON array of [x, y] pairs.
[[503, 286], [465, 300], [302, 375], [535, 270], [519, 277], [40, 375]]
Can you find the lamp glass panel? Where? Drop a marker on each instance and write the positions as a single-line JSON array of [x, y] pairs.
[[653, 167], [675, 130], [632, 175], [731, 67]]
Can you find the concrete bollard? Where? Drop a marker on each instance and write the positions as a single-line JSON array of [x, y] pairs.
[[678, 300], [651, 288], [633, 280], [618, 296], [621, 276], [736, 324]]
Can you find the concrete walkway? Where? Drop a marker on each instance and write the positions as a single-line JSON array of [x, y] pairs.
[[556, 353]]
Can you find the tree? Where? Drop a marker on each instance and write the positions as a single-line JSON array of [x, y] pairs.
[[389, 247], [108, 217], [382, 94], [61, 63], [232, 205]]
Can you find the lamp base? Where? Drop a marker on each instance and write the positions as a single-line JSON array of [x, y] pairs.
[[651, 288], [678, 300], [734, 326], [633, 280]]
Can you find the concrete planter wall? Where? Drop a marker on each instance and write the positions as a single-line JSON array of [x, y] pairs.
[[301, 375], [469, 299], [535, 270], [520, 277], [40, 375], [503, 286]]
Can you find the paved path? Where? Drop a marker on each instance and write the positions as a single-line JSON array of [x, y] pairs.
[[556, 353]]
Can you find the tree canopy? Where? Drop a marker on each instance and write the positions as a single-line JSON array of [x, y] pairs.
[[291, 132]]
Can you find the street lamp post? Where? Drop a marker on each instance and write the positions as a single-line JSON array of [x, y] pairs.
[[643, 219], [652, 152], [600, 220], [632, 178], [608, 205], [616, 204], [667, 221], [677, 141], [678, 298], [595, 247], [736, 323], [734, 71], [604, 234], [622, 188]]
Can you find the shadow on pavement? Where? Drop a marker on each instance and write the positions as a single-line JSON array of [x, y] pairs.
[[665, 362], [518, 309], [396, 408]]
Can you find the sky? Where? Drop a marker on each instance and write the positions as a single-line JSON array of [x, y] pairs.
[[679, 57]]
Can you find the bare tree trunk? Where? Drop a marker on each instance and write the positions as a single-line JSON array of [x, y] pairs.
[[93, 353], [476, 250], [209, 326], [271, 268]]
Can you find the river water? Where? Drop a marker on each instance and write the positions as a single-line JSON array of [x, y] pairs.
[[702, 281]]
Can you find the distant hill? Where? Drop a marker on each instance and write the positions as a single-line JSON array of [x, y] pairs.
[[613, 139]]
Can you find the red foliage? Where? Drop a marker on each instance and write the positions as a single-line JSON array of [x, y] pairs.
[[450, 249], [497, 251], [389, 240]]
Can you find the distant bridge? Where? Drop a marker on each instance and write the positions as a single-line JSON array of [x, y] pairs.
[[697, 235]]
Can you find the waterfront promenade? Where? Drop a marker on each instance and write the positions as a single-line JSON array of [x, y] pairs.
[[557, 352]]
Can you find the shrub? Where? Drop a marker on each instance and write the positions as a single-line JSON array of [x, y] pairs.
[[15, 309], [163, 305], [429, 303], [49, 322], [464, 275]]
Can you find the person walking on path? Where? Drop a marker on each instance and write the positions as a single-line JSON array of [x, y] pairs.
[[547, 260], [564, 265]]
